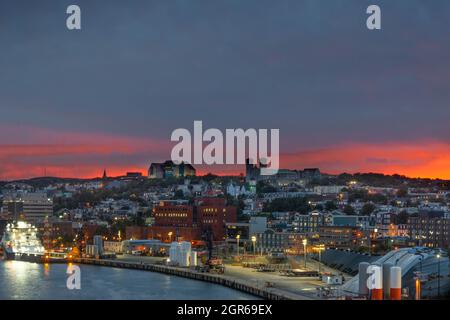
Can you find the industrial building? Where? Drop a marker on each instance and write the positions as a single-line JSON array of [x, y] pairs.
[[424, 273], [183, 222], [31, 207]]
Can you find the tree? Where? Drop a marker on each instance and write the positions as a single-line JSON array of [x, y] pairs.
[[348, 209], [402, 192], [330, 206], [367, 209], [299, 204], [178, 194], [319, 207], [263, 187]]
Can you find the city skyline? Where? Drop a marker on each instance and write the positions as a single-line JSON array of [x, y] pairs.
[[108, 96]]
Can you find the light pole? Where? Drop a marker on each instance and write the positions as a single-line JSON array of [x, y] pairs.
[[439, 275], [370, 240], [237, 239], [254, 245], [170, 236], [320, 248], [305, 242]]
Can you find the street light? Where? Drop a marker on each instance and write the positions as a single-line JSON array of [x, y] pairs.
[[237, 239], [439, 275], [170, 236], [320, 248], [254, 245], [305, 242]]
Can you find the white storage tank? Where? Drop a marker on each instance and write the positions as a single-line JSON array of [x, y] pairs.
[[95, 251], [186, 246], [185, 256], [193, 261]]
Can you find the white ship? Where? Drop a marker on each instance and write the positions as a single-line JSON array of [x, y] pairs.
[[20, 242]]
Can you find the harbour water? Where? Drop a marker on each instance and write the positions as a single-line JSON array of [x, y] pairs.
[[24, 280]]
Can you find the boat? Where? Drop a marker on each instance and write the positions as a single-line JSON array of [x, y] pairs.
[[20, 242]]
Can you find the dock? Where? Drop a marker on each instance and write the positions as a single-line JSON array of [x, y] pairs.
[[268, 293]]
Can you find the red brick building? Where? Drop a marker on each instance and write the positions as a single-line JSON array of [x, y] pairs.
[[213, 214], [189, 222], [136, 232]]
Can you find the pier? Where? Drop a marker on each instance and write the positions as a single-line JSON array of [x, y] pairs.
[[268, 293]]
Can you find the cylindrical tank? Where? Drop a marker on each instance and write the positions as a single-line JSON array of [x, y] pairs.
[[95, 250], [375, 282], [185, 245], [184, 258], [387, 280], [193, 261], [172, 254], [363, 289], [396, 283]]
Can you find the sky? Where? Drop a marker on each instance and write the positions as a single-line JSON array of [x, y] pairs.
[[346, 99]]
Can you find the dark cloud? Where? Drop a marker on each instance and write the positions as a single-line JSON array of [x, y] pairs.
[[309, 67]]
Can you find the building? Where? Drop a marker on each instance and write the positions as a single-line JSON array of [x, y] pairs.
[[257, 225], [252, 170], [169, 169], [135, 232], [429, 229], [311, 174], [326, 190], [383, 221], [183, 222], [338, 236], [112, 246], [174, 222], [212, 216], [31, 207], [238, 228], [134, 174], [309, 223], [272, 241], [363, 222]]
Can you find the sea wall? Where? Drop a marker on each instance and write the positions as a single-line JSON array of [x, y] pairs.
[[265, 293]]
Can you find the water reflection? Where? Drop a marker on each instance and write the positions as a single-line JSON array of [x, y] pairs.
[[24, 280]]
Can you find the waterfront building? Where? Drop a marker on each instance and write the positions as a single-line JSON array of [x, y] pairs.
[[213, 214], [189, 222], [98, 242], [32, 207], [112, 246]]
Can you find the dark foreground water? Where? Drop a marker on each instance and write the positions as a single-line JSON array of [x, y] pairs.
[[24, 280]]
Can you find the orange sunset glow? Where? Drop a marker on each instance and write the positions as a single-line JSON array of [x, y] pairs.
[[425, 159]]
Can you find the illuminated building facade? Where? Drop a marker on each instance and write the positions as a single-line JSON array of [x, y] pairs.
[[31, 207], [189, 222], [170, 169], [429, 230]]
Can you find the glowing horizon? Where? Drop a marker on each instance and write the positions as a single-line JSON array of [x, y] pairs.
[[423, 159]]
